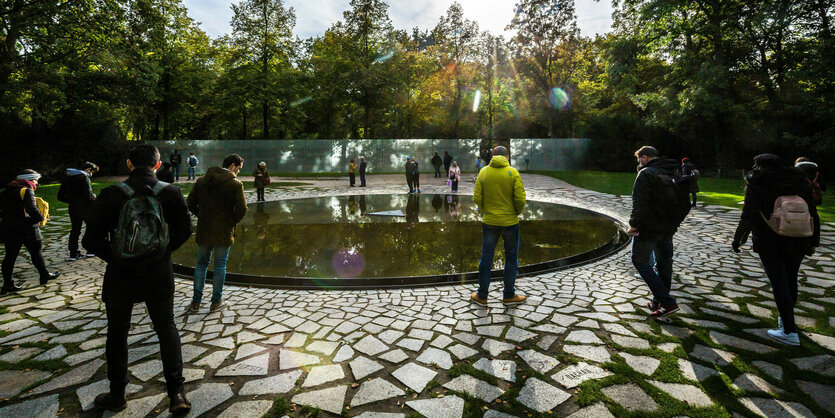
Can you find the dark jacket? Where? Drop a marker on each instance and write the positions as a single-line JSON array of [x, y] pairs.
[[763, 188], [447, 160], [810, 169], [150, 276], [261, 177], [415, 169], [436, 160], [408, 169], [165, 174], [217, 200], [20, 217], [76, 189], [646, 208], [363, 166], [687, 170], [175, 159]]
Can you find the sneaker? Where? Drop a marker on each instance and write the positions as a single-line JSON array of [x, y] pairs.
[[780, 322], [474, 297], [216, 306], [664, 310], [109, 402], [638, 276], [418, 190], [10, 289], [73, 257], [789, 339], [515, 300], [179, 405], [89, 255], [50, 276], [653, 305], [193, 308]]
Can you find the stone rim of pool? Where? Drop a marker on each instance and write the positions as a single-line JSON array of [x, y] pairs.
[[617, 243]]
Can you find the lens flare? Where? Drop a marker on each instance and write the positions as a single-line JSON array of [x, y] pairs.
[[383, 58], [477, 100], [348, 263], [558, 98], [300, 101]]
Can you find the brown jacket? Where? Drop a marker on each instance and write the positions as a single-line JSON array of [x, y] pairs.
[[217, 200]]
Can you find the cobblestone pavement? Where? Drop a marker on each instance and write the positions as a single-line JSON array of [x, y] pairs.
[[582, 346]]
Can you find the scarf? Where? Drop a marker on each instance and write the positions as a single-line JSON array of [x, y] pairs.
[[23, 183]]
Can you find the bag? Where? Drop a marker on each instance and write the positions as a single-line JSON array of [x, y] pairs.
[[266, 181], [674, 197], [791, 218], [141, 231], [192, 161], [43, 206], [452, 177], [817, 191]]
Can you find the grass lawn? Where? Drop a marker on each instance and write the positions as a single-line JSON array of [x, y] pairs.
[[713, 191]]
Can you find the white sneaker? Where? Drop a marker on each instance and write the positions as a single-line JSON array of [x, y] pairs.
[[638, 276], [789, 339], [780, 322]]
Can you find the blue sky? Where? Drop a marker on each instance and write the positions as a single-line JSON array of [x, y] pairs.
[[314, 16]]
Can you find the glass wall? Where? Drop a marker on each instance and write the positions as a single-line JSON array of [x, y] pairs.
[[382, 155]]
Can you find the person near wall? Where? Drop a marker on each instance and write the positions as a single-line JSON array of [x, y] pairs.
[[77, 191], [352, 172], [454, 176], [436, 163], [363, 167], [262, 180]]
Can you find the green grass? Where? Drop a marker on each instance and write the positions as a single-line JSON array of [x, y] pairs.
[[712, 191]]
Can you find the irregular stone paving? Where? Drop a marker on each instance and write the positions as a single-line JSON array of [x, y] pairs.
[[393, 353]]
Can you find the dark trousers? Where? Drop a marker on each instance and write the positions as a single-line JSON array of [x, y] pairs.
[[490, 238], [782, 271], [411, 183], [176, 169], [362, 179], [13, 246], [659, 283], [438, 171], [694, 198], [259, 193], [416, 181], [353, 178], [161, 310], [76, 220], [454, 185]]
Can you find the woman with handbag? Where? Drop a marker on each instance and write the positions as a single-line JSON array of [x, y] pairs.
[[20, 226], [454, 175], [262, 180]]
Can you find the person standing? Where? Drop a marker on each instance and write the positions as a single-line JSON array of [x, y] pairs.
[[352, 176], [363, 167], [165, 174], [447, 161], [688, 169], [262, 180], [409, 181], [219, 204], [652, 224], [436, 162], [148, 279], [20, 226], [175, 159], [500, 196], [454, 175], [781, 256], [478, 167], [192, 166], [77, 191], [415, 174]]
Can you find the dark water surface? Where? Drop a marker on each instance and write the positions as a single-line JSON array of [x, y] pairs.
[[336, 237]]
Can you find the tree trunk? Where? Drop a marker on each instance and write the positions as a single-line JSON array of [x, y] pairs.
[[266, 120], [243, 124]]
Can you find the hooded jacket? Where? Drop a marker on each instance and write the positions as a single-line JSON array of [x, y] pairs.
[[646, 208], [20, 216], [261, 175], [217, 200], [76, 189], [499, 193]]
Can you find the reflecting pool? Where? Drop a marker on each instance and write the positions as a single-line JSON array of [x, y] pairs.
[[345, 241]]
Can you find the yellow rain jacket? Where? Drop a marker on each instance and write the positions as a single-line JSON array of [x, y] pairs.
[[499, 193]]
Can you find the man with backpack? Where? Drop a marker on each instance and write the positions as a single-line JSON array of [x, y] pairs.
[[217, 200], [134, 226], [660, 202], [77, 191], [192, 166]]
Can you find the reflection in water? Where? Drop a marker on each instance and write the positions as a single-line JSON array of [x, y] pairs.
[[333, 237]]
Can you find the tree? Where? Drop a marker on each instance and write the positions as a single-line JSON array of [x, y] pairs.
[[455, 37]]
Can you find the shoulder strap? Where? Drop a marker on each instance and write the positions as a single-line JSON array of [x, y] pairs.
[[22, 193], [125, 188], [158, 187]]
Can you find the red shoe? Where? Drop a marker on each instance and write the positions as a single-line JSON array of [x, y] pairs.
[[664, 310], [653, 305]]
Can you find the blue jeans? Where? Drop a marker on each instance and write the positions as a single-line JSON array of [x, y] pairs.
[[192, 173], [490, 237], [659, 283], [204, 253]]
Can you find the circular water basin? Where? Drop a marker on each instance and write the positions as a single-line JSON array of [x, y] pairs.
[[401, 240]]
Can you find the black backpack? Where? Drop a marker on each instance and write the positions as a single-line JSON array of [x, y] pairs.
[[673, 194], [141, 231]]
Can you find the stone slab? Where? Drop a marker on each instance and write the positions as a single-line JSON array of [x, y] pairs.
[[413, 376], [280, 383], [319, 375], [573, 375], [445, 407], [541, 396], [375, 390], [330, 399], [631, 397], [247, 409], [474, 387], [502, 369]]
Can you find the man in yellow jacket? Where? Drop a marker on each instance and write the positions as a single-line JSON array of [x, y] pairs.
[[500, 195]]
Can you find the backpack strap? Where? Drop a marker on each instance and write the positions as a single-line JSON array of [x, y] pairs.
[[158, 187], [125, 188]]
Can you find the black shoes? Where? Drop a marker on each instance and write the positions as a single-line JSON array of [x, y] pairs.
[[179, 404], [49, 277], [10, 289], [109, 402]]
